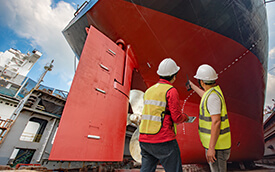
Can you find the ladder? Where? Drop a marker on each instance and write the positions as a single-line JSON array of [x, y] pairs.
[[5, 126]]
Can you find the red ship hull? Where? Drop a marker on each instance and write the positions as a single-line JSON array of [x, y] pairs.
[[154, 35]]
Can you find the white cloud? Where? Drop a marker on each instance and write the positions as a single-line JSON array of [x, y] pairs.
[[42, 23], [270, 91], [272, 53]]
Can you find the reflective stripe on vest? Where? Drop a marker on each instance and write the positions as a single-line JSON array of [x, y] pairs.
[[224, 139], [154, 108]]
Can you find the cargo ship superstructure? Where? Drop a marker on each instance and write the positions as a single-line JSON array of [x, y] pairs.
[[14, 83], [29, 111], [120, 44]]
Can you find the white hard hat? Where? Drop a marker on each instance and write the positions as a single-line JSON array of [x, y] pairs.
[[206, 73], [167, 67]]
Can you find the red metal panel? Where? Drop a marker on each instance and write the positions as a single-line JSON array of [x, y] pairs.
[[155, 35], [93, 123]]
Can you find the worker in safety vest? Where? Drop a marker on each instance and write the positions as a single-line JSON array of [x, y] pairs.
[[160, 115], [214, 127]]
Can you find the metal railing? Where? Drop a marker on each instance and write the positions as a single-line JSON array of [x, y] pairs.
[[4, 127], [80, 8]]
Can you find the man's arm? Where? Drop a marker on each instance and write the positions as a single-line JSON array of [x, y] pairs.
[[199, 91], [215, 132], [174, 107]]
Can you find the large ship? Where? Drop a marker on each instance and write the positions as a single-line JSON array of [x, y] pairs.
[[120, 44]]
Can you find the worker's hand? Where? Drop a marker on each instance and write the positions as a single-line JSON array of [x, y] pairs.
[[187, 117], [210, 156], [188, 86]]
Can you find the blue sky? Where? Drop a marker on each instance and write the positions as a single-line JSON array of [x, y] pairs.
[[37, 24], [270, 89]]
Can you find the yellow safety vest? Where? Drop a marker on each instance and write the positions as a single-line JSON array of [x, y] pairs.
[[224, 139], [154, 108]]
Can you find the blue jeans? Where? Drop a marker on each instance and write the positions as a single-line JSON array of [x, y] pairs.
[[167, 153], [220, 165]]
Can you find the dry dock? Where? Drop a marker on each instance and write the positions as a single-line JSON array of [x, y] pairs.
[[108, 168]]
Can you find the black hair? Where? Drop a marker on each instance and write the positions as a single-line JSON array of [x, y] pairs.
[[199, 81], [209, 82], [168, 78], [206, 83]]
